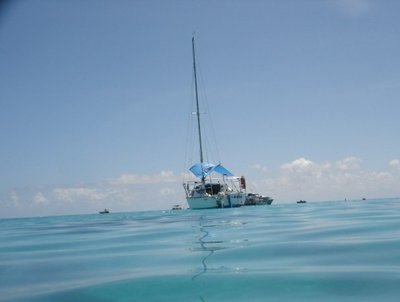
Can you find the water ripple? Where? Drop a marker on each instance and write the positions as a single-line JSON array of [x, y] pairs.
[[333, 251]]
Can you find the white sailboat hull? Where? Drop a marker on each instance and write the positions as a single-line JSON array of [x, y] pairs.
[[230, 200]]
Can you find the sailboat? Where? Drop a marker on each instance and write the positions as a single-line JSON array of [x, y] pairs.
[[215, 186]]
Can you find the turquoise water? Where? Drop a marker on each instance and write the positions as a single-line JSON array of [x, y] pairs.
[[326, 251]]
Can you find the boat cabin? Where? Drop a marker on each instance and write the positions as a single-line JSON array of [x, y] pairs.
[[210, 189]]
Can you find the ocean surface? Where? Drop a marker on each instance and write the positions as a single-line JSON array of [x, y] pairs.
[[322, 251]]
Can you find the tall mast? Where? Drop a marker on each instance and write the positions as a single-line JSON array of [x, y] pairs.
[[197, 103]]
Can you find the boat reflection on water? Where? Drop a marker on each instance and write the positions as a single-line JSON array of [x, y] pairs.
[[208, 243]]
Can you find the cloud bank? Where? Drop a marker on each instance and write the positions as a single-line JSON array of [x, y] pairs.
[[298, 179], [344, 179]]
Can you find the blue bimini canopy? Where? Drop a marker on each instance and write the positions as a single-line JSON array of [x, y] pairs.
[[201, 170]]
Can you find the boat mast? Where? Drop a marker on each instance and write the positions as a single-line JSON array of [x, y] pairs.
[[197, 105]]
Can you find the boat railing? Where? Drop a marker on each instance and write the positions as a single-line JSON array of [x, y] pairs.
[[228, 184]]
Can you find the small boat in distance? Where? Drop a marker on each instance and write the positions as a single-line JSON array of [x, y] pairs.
[[105, 211], [253, 199], [301, 201], [177, 207]]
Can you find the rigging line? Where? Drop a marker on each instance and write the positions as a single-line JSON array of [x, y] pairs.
[[188, 142], [190, 128], [205, 103]]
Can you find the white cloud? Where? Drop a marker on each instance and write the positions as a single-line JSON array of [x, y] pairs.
[[134, 179], [305, 179], [260, 168], [353, 8], [302, 166], [76, 194], [395, 163], [299, 179], [167, 192], [14, 198], [129, 192], [298, 165], [349, 163], [40, 199]]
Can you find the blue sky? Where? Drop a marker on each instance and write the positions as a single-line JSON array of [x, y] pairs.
[[96, 95]]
